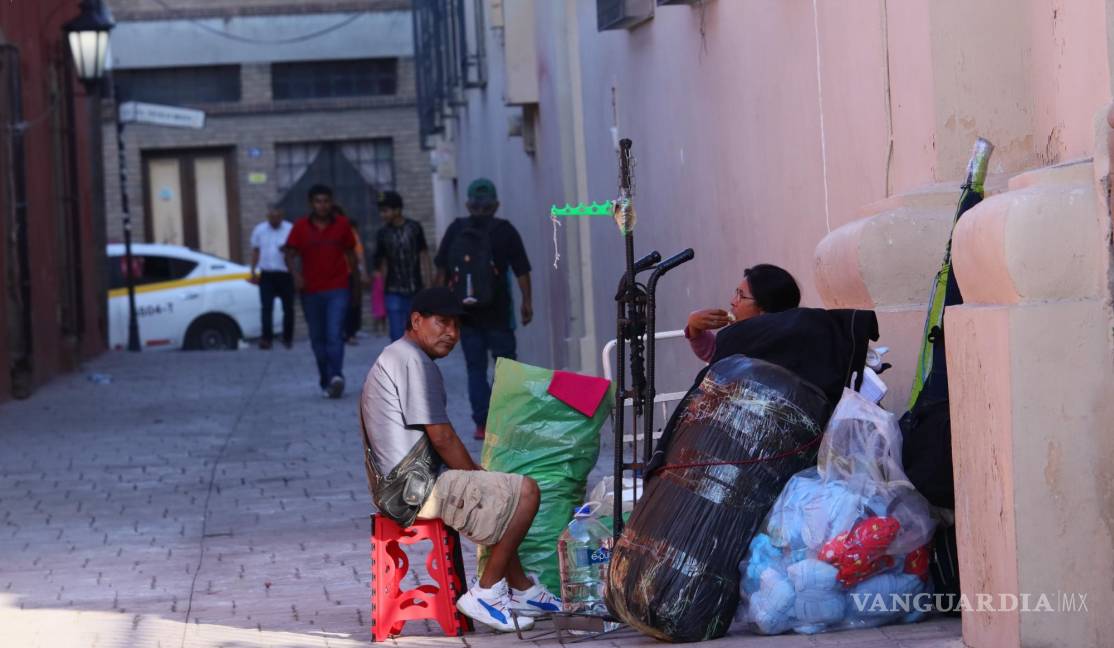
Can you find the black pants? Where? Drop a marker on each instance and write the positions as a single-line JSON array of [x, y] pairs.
[[281, 285], [353, 320]]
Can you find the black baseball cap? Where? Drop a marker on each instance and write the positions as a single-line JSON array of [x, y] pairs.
[[390, 199], [436, 301]]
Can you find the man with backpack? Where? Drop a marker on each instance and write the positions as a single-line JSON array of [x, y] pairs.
[[475, 259]]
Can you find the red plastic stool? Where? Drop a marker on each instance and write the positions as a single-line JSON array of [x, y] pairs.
[[391, 607]]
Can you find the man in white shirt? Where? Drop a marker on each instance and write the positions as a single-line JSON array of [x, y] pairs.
[[273, 277]]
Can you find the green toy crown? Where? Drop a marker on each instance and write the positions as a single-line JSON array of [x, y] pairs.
[[604, 208]]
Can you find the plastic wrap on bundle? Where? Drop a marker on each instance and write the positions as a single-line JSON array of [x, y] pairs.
[[846, 543], [531, 432], [623, 211], [743, 431]]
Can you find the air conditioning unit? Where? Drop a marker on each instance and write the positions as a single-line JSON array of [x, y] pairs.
[[520, 48], [622, 14]]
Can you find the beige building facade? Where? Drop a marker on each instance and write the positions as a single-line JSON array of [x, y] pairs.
[[831, 138]]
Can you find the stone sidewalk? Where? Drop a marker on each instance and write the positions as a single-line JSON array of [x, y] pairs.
[[215, 499]]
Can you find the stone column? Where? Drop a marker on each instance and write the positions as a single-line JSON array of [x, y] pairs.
[[1031, 378], [886, 261]]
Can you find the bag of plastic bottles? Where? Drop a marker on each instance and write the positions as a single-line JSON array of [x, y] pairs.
[[737, 437], [846, 543], [532, 432]]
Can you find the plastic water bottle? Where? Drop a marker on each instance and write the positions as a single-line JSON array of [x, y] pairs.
[[584, 553]]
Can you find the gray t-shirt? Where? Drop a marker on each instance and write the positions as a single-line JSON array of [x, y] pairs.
[[403, 390]]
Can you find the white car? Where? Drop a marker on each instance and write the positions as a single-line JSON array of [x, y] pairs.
[[183, 299]]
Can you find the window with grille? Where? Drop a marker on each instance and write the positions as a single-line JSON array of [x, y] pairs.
[[373, 158], [181, 85], [334, 79]]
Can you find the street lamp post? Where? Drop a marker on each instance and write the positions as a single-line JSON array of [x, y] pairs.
[[121, 151], [88, 36]]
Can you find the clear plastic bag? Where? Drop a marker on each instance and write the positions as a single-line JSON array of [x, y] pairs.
[[604, 493], [846, 543]]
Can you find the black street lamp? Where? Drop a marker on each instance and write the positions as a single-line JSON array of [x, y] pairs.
[[88, 35]]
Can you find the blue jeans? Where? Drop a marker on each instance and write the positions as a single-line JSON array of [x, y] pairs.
[[398, 311], [477, 343], [325, 313]]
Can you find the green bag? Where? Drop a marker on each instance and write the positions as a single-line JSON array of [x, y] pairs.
[[532, 433]]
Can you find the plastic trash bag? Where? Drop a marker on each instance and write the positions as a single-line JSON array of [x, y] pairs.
[[849, 537], [737, 438], [604, 493], [530, 432]]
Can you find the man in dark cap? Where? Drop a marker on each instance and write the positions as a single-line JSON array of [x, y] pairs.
[[401, 257], [475, 260], [407, 436]]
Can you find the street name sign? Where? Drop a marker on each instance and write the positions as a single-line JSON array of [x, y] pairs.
[[147, 113]]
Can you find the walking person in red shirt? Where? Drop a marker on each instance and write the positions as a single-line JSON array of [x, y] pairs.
[[324, 242]]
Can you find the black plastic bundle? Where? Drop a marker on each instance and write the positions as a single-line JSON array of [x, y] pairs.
[[737, 438]]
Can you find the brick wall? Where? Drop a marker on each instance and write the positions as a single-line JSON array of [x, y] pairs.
[[257, 122], [255, 83]]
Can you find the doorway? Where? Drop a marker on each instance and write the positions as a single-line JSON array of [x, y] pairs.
[[190, 200]]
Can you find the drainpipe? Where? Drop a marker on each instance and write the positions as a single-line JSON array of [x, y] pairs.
[[22, 365], [578, 232]]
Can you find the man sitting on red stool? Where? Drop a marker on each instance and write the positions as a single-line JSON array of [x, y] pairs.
[[407, 436]]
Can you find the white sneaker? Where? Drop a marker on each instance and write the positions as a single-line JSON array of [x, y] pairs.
[[535, 601], [491, 607]]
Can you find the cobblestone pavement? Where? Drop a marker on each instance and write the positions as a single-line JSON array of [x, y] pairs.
[[215, 499]]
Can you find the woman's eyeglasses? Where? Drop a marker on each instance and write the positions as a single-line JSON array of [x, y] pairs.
[[739, 294]]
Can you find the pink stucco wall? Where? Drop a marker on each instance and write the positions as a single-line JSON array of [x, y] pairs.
[[748, 154], [761, 126]]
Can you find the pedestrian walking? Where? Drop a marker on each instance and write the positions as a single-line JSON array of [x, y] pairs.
[[475, 259], [323, 242], [273, 278], [379, 325], [401, 256], [357, 280]]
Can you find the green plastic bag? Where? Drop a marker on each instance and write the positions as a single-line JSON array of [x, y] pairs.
[[529, 432]]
